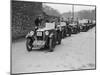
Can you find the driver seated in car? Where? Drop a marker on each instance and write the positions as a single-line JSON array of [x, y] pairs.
[[38, 21]]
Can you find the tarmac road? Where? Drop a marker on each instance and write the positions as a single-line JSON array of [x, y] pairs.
[[75, 53]]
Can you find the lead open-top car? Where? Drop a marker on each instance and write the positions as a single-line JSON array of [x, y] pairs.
[[48, 37]]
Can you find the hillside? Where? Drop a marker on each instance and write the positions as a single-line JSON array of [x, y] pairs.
[[88, 14], [50, 11]]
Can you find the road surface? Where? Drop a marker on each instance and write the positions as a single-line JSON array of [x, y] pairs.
[[75, 53]]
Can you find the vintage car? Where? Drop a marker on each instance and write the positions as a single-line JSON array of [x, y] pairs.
[[62, 27], [85, 25], [74, 28], [48, 37], [94, 23], [91, 24], [65, 29]]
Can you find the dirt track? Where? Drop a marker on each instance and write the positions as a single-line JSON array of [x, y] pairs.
[[75, 53]]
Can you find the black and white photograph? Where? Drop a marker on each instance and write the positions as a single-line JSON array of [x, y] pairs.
[[52, 37]]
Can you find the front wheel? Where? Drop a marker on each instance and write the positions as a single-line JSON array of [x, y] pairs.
[[51, 45], [29, 44], [69, 34], [59, 40]]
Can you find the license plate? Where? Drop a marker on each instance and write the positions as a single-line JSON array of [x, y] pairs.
[[39, 33]]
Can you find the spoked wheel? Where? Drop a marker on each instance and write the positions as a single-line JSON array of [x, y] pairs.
[[29, 44]]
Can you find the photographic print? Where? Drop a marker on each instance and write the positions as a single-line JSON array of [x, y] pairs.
[[52, 37]]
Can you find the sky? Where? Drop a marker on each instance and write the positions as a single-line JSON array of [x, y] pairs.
[[62, 8]]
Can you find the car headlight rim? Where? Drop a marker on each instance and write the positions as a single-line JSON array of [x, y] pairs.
[[31, 33], [46, 32]]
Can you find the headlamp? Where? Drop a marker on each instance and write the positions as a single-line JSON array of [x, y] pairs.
[[46, 32], [31, 33]]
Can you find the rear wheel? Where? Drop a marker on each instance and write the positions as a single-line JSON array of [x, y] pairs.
[[29, 44]]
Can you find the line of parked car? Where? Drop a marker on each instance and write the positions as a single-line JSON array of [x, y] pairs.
[[53, 32]]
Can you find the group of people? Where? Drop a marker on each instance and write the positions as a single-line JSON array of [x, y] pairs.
[[40, 19]]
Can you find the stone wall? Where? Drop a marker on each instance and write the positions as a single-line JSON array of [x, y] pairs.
[[23, 15]]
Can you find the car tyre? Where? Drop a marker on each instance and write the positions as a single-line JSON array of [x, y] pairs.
[[51, 45], [59, 40], [28, 46]]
